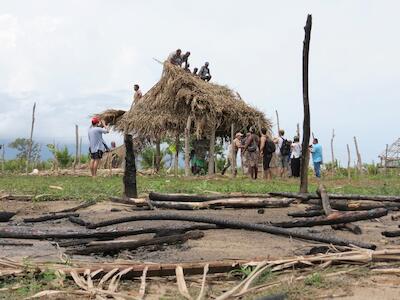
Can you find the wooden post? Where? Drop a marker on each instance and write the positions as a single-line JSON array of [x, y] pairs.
[[386, 157], [332, 153], [29, 153], [176, 157], [76, 146], [158, 155], [211, 151], [348, 162], [277, 121], [3, 159], [130, 190], [80, 151], [233, 153], [359, 162], [306, 106], [298, 130], [187, 146]]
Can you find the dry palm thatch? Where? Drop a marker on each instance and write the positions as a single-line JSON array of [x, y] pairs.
[[165, 108]]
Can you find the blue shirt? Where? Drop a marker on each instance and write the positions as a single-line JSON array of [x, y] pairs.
[[96, 141], [316, 153]]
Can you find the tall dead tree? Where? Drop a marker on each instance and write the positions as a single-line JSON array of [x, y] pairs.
[[332, 153], [30, 142], [359, 162], [233, 154], [76, 146], [211, 164], [306, 106], [187, 146], [277, 120], [348, 162], [130, 190]]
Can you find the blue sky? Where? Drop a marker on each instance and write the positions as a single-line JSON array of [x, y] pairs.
[[76, 58]]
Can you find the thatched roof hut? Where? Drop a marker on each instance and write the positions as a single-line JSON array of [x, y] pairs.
[[165, 108]]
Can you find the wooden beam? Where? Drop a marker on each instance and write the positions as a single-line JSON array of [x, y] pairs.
[[348, 162], [187, 146], [306, 107], [211, 152], [233, 152], [129, 178], [30, 143]]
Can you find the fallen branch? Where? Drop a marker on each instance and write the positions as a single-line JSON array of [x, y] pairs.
[[5, 216], [306, 214], [131, 245], [77, 221], [234, 224], [7, 243], [348, 226], [345, 205], [17, 233], [309, 196], [50, 217], [321, 191], [16, 197], [335, 218], [226, 203], [130, 201], [199, 198], [80, 206]]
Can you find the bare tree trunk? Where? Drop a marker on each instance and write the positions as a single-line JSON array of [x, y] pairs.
[[211, 152], [130, 190], [359, 162], [176, 157], [348, 162], [76, 146], [29, 153], [332, 153], [158, 155], [277, 121], [187, 146], [386, 157], [3, 160], [306, 105], [233, 153]]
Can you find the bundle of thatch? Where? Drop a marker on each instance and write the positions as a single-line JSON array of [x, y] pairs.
[[165, 108]]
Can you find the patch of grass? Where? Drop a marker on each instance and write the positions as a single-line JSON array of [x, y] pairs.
[[315, 280], [101, 188], [242, 272]]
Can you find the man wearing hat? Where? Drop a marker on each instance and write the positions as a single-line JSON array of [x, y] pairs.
[[97, 144], [236, 144]]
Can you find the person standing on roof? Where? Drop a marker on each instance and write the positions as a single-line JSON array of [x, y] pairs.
[[175, 57], [237, 144], [185, 58], [316, 152], [195, 72], [97, 144], [205, 72], [137, 95]]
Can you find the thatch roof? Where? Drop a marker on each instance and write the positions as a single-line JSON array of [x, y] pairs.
[[165, 108]]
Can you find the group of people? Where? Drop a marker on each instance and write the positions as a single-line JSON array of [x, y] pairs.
[[181, 60], [279, 153]]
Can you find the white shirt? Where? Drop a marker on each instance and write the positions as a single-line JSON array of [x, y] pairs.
[[279, 146], [296, 150]]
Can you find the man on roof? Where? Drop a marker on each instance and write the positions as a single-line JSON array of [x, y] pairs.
[[138, 94], [185, 58], [97, 144], [205, 72], [175, 57]]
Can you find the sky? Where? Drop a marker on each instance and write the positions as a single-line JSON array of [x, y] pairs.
[[76, 58]]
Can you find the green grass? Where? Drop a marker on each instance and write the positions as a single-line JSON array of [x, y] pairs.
[[103, 187]]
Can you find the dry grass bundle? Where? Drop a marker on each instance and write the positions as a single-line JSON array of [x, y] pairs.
[[165, 108]]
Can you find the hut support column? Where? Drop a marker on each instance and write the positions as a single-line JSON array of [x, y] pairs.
[[129, 179], [233, 154], [187, 146], [176, 158], [158, 156], [306, 106], [211, 152]]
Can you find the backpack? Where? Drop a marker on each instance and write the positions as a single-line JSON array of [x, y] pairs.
[[269, 147], [285, 148], [253, 147]]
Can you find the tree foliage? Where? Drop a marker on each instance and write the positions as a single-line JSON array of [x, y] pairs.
[[22, 146]]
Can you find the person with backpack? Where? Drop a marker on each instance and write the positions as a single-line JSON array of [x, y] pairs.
[[251, 147], [295, 157], [267, 149], [282, 153]]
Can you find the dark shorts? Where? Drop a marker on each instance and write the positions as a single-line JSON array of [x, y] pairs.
[[96, 155], [266, 161]]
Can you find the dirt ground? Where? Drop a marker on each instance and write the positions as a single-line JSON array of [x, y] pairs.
[[215, 245]]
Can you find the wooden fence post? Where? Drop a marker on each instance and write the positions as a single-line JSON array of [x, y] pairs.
[[187, 146], [348, 162], [211, 152], [298, 130], [80, 152], [233, 152], [386, 157], [359, 162], [176, 157], [3, 159], [332, 153], [76, 146], [277, 120], [129, 179], [158, 155], [306, 107], [29, 153]]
